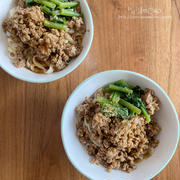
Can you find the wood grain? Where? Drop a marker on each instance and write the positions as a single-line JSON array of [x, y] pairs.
[[30, 114]]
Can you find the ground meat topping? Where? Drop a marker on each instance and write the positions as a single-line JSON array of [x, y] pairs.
[[151, 101]]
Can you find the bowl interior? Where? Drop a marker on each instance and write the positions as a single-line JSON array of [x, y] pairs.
[[167, 118], [23, 73]]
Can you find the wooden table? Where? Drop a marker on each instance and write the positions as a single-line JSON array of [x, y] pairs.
[[128, 36]]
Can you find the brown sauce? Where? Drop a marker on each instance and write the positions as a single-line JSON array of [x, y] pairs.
[[145, 156]]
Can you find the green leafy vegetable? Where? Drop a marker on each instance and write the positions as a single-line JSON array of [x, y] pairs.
[[115, 97], [46, 10], [121, 89], [57, 19], [123, 95], [29, 3], [55, 2], [147, 116], [106, 90], [55, 25], [110, 110], [136, 100], [138, 91], [56, 13], [65, 3], [68, 4], [103, 100], [70, 13], [123, 83], [130, 106], [46, 3]]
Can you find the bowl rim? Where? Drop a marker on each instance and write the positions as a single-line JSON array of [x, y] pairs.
[[122, 71], [33, 80]]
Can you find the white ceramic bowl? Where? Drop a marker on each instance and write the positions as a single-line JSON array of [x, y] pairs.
[[148, 168], [29, 76]]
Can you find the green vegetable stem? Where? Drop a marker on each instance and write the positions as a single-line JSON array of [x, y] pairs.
[[130, 106], [70, 13], [46, 3], [147, 116], [55, 25], [68, 4], [121, 89]]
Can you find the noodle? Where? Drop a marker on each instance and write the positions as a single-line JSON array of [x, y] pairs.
[[37, 64], [69, 38], [32, 63], [29, 64], [50, 70]]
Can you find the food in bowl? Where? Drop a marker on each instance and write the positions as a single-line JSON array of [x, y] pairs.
[[117, 125], [44, 35]]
